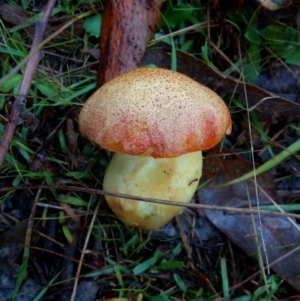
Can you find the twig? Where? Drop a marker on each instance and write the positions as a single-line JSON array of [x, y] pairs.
[[23, 269], [83, 252], [30, 70], [151, 200]]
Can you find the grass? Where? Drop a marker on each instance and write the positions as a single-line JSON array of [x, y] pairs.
[[128, 263]]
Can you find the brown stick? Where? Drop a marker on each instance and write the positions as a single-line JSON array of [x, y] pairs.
[[152, 200], [30, 70], [127, 26]]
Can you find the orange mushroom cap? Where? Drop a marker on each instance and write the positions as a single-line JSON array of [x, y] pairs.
[[154, 112]]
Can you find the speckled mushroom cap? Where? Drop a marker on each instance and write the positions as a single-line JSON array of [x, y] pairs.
[[154, 112]]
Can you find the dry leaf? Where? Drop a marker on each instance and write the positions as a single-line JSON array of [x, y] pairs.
[[281, 236]]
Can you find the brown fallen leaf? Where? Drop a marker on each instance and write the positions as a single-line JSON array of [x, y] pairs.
[[280, 235], [281, 79], [265, 104], [13, 14]]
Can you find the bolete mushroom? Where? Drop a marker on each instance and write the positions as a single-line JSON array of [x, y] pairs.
[[275, 4], [157, 121]]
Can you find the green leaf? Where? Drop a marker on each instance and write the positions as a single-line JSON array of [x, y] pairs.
[[103, 271], [277, 33], [62, 141], [122, 268], [45, 289], [289, 151], [17, 180], [176, 251], [206, 56], [76, 201], [92, 25], [17, 43], [61, 217], [2, 101], [180, 282], [169, 265], [25, 4], [283, 41], [225, 281], [13, 162], [11, 51], [119, 275], [67, 233], [252, 36], [174, 16], [142, 267], [22, 272], [47, 88], [292, 56], [11, 83], [283, 207]]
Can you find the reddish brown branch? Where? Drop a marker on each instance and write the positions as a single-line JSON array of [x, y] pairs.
[[30, 70], [127, 26]]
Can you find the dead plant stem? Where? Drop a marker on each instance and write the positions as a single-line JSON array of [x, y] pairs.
[[233, 210], [84, 251], [20, 101]]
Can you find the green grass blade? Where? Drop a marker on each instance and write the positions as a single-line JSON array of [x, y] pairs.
[[180, 282], [22, 272], [142, 267], [169, 265], [42, 293], [225, 281], [289, 151]]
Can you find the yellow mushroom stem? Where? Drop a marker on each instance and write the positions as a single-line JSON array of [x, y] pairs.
[[175, 179]]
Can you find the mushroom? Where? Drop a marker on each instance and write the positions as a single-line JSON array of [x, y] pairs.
[[275, 4], [157, 121]]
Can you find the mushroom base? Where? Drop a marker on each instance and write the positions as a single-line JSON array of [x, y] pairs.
[[174, 179]]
